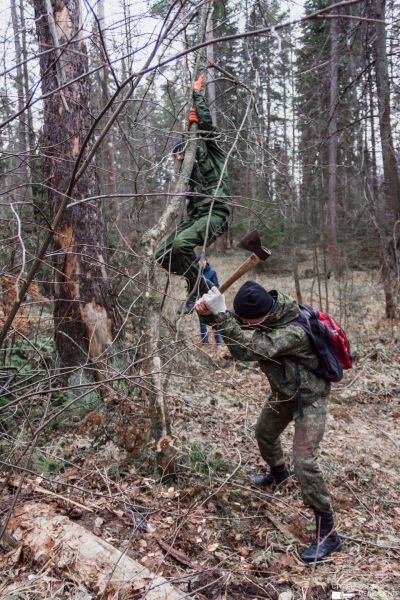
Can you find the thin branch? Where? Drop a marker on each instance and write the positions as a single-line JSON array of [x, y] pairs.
[[355, 17], [23, 251]]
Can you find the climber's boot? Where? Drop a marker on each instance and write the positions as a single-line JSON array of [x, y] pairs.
[[276, 476]]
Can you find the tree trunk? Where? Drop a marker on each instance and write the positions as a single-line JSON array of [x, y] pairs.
[[211, 92], [294, 200], [70, 550], [29, 121], [333, 146], [107, 152], [372, 178], [391, 183], [85, 320], [221, 243], [267, 128], [21, 146]]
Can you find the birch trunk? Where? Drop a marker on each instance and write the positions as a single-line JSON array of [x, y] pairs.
[[152, 367]]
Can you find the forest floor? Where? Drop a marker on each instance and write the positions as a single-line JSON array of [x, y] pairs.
[[208, 531]]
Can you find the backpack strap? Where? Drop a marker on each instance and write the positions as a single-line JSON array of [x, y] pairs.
[[299, 397]]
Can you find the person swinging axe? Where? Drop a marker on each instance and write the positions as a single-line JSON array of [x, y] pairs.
[[285, 354]]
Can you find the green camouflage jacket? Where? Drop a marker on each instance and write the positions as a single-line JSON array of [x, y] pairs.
[[277, 349], [206, 177]]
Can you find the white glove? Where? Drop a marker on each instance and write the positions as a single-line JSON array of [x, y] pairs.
[[215, 301]]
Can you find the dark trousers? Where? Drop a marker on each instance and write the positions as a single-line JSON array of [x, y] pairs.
[[204, 335]]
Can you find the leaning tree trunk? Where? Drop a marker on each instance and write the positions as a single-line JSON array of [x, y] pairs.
[[152, 368], [85, 321]]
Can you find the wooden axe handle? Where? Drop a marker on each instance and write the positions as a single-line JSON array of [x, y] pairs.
[[248, 264]]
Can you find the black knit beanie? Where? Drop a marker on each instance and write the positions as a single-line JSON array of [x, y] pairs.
[[252, 301]]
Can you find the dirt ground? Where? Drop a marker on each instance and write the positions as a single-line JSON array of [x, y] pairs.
[[208, 531]]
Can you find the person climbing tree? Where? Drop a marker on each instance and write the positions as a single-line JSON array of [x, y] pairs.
[[208, 208]]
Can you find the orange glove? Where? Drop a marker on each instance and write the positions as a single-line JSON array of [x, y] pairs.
[[199, 83], [193, 117]]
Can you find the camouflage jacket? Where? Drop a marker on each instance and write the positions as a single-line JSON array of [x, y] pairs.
[[277, 347], [206, 178]]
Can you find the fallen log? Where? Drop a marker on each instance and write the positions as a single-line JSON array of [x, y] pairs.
[[48, 538]]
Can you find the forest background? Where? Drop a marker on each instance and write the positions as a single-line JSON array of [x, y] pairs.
[[110, 410]]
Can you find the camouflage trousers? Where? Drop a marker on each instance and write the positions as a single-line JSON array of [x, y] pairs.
[[308, 433], [176, 253]]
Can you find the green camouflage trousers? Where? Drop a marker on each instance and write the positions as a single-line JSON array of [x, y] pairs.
[[308, 433], [176, 254]]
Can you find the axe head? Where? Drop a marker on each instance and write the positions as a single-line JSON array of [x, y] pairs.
[[252, 243]]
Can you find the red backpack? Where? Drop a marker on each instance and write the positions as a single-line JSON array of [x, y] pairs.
[[328, 340]]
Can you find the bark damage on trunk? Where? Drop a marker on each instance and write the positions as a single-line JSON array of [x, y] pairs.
[[54, 541], [85, 319]]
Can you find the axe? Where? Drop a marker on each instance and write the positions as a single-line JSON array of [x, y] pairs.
[[252, 243]]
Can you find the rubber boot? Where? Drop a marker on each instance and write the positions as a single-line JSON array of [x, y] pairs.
[[275, 477], [326, 542]]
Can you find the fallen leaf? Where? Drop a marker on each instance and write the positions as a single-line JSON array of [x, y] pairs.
[[212, 547]]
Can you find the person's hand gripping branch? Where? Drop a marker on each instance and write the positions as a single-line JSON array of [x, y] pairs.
[[197, 87], [198, 84], [211, 303]]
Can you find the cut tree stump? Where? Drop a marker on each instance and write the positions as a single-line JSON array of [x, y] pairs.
[[82, 557]]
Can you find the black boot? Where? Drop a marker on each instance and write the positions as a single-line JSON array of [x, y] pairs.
[[276, 476], [326, 542]]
